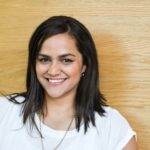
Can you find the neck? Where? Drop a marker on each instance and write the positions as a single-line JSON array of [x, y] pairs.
[[58, 112], [59, 105]]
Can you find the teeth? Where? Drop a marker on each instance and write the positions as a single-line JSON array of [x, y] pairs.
[[55, 81]]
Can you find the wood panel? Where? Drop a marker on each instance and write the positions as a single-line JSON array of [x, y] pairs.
[[121, 30]]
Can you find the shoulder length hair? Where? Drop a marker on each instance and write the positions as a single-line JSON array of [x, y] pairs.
[[88, 97]]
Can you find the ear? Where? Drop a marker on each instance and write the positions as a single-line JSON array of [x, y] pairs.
[[83, 68]]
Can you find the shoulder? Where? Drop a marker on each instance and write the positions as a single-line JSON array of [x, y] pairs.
[[114, 116], [116, 128], [111, 116], [6, 105]]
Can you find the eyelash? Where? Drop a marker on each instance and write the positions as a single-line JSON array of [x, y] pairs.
[[67, 61], [43, 60], [47, 60]]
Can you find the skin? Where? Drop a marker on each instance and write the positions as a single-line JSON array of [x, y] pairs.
[[132, 145], [59, 68]]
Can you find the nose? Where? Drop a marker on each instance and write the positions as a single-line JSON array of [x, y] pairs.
[[54, 69]]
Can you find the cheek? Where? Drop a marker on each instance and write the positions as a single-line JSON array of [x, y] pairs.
[[75, 71], [40, 69]]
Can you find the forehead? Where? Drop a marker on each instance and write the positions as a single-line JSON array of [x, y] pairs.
[[60, 44]]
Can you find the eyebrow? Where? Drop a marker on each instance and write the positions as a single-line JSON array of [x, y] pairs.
[[64, 55]]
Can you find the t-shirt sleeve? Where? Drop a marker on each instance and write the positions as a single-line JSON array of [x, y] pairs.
[[5, 105], [120, 131]]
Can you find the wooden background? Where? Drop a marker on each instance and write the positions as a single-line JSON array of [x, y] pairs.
[[121, 30]]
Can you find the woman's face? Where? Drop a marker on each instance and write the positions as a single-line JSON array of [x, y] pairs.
[[59, 66]]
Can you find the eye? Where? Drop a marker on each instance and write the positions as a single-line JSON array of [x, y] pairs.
[[44, 60], [67, 61]]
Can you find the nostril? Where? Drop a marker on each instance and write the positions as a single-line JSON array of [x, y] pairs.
[[53, 74], [54, 70]]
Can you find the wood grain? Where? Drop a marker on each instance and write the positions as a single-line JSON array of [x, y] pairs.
[[121, 30]]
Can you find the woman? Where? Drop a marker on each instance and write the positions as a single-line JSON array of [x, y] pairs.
[[62, 108]]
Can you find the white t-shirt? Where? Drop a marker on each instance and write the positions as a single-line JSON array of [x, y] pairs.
[[112, 132]]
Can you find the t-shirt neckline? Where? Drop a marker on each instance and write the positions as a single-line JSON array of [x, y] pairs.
[[50, 132]]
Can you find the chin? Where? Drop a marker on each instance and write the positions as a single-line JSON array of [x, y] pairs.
[[54, 95]]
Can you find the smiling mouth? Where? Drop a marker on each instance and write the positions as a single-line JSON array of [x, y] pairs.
[[56, 81]]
